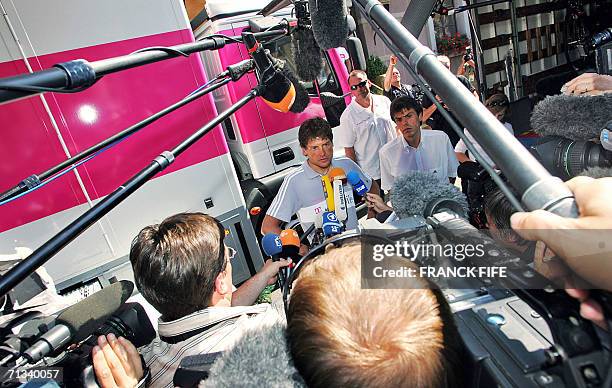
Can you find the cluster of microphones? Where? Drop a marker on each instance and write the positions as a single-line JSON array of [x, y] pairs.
[[327, 223]]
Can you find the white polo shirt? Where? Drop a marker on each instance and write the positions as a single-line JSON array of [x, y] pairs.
[[302, 193], [366, 130], [462, 148], [434, 154]]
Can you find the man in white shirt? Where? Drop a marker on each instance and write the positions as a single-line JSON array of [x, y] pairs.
[[415, 150], [365, 125]]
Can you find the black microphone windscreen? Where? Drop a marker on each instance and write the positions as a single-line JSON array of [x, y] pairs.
[[260, 358], [416, 15], [302, 99], [329, 23], [84, 317], [307, 55], [412, 193], [572, 117]]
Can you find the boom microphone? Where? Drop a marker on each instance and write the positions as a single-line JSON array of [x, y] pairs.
[[278, 91], [307, 55], [358, 185], [572, 117], [422, 194], [329, 23], [301, 95], [79, 321]]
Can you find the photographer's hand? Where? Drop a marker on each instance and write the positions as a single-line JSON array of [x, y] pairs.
[[116, 362], [583, 243], [588, 83]]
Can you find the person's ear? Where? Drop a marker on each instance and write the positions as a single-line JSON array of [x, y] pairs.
[[303, 151], [223, 285]]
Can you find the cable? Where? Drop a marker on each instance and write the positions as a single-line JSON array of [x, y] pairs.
[[42, 89], [230, 38]]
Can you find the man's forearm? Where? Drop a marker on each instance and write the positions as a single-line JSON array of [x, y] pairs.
[[250, 290]]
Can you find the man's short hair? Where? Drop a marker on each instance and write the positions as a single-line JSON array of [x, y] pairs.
[[313, 128], [342, 335], [354, 73], [404, 102], [177, 262], [499, 209]]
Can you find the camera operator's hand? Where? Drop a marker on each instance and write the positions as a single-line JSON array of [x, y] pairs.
[[376, 203], [588, 83], [583, 243], [116, 362]]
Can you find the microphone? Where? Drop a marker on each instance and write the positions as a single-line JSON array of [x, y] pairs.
[[572, 117], [328, 191], [291, 244], [272, 245], [77, 322], [358, 185], [422, 194], [331, 225], [302, 99], [307, 55], [337, 177], [329, 22], [605, 137], [278, 91]]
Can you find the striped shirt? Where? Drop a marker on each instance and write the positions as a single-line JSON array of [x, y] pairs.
[[210, 330]]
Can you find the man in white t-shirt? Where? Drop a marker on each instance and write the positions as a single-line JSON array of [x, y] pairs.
[[365, 125], [415, 149]]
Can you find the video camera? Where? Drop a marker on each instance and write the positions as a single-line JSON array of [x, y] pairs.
[[64, 343]]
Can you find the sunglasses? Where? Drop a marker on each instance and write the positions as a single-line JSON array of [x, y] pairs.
[[362, 84]]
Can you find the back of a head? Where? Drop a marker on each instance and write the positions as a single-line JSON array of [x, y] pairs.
[[342, 335], [177, 261]]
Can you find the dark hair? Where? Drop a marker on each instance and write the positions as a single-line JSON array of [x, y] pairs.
[[177, 262], [313, 128], [499, 209], [404, 102], [498, 103]]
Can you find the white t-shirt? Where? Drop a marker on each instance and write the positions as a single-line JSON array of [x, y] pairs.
[[366, 130], [434, 154], [462, 148]]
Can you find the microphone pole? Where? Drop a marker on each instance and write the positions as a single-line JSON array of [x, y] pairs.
[[79, 74], [539, 189], [234, 72], [41, 255]]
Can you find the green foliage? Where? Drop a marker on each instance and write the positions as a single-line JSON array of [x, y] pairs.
[[375, 67]]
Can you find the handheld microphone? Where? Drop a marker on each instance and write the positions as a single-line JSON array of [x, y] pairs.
[[307, 55], [272, 245], [77, 322], [572, 117], [422, 194], [328, 191], [278, 92], [331, 225], [358, 185], [337, 176], [291, 244], [329, 22]]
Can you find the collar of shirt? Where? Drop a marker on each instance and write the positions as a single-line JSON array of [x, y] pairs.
[[405, 144], [208, 316], [312, 174]]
